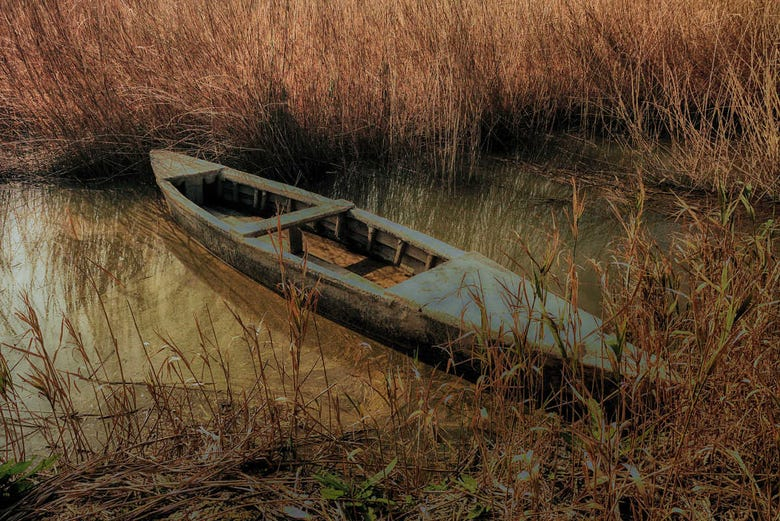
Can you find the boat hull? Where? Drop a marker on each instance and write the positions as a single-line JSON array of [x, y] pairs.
[[451, 303], [372, 313]]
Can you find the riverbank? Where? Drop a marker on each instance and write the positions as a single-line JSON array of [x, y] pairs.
[[299, 87]]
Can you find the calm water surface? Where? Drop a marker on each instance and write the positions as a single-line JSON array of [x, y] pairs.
[[111, 262], [502, 213]]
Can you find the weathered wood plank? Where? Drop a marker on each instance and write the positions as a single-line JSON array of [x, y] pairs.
[[287, 220], [422, 241], [429, 262], [370, 238], [399, 252], [295, 238], [194, 190], [170, 165], [287, 191]]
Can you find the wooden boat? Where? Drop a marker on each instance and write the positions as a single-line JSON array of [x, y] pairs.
[[394, 284]]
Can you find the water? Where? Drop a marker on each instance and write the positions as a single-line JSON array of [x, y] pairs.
[[111, 263], [505, 213]]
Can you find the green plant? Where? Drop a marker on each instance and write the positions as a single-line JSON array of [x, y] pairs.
[[18, 478], [362, 499]]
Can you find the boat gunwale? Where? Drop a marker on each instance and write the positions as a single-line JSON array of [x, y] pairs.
[[412, 237], [264, 246], [172, 193], [262, 226]]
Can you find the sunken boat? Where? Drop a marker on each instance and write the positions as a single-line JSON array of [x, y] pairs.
[[393, 284]]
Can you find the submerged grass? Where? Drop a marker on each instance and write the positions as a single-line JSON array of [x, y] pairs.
[[706, 447], [303, 85]]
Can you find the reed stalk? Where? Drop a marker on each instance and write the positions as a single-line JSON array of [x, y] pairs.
[[303, 86]]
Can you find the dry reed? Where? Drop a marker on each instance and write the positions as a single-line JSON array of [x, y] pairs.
[[303, 85], [502, 447]]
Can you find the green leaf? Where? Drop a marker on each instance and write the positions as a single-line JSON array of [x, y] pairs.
[[382, 501], [478, 511], [15, 477], [332, 481], [4, 474], [365, 494], [468, 483], [11, 469], [596, 419], [44, 464], [379, 476], [331, 493]]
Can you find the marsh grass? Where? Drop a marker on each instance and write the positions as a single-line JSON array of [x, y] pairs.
[[176, 444], [303, 86]]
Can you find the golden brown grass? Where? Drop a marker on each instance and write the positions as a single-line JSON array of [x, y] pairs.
[[299, 85], [706, 447]]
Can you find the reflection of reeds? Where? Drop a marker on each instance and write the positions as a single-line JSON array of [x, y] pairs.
[[183, 425], [499, 446], [74, 231], [310, 84]]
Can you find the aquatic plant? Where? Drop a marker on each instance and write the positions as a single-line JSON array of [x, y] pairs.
[[301, 86]]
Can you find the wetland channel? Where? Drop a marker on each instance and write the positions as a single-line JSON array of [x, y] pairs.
[[111, 262]]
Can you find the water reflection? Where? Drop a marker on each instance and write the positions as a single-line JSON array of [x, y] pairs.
[[133, 285], [498, 213], [112, 263]]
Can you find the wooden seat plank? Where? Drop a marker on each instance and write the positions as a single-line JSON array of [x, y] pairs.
[[307, 215]]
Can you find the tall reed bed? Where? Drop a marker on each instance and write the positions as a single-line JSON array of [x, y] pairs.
[[705, 446], [302, 85]]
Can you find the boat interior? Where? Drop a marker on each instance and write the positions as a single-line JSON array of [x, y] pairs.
[[328, 232]]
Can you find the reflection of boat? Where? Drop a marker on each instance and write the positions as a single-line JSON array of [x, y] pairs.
[[392, 283]]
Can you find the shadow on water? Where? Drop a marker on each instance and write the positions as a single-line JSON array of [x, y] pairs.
[[113, 264]]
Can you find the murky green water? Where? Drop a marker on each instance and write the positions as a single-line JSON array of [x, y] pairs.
[[111, 263]]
